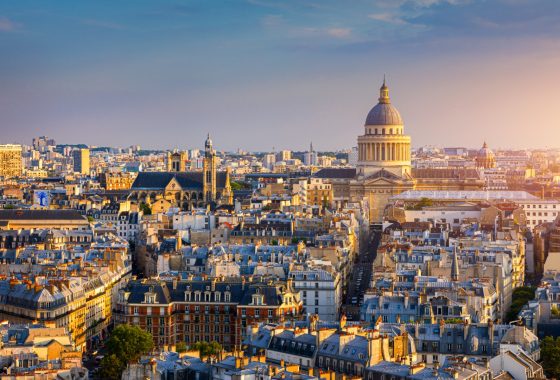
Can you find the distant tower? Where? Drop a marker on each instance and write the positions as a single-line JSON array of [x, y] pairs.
[[177, 161], [81, 161], [227, 193], [209, 172], [310, 158]]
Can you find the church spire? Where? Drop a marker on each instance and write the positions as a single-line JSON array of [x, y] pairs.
[[384, 93]]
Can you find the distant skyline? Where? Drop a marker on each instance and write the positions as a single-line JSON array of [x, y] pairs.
[[258, 74]]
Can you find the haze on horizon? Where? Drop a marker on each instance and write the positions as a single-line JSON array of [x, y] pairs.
[[258, 74]]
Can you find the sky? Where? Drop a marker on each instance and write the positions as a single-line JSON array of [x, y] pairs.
[[263, 75]]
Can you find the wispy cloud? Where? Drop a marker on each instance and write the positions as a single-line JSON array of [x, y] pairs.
[[7, 25], [103, 24], [339, 32], [387, 17]]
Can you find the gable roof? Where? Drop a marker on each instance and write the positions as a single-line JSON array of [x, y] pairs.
[[40, 215]]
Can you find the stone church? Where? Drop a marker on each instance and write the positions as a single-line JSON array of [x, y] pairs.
[[384, 166], [185, 189]]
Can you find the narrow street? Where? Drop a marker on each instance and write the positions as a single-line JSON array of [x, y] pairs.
[[360, 278]]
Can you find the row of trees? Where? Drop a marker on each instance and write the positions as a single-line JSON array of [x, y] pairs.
[[128, 343], [519, 298]]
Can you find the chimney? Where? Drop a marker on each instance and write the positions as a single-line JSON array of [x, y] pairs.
[[289, 284], [174, 283], [406, 300]]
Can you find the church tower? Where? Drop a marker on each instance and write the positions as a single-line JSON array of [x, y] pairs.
[[209, 172], [384, 144]]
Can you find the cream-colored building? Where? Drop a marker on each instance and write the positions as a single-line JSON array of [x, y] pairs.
[[384, 167], [10, 161]]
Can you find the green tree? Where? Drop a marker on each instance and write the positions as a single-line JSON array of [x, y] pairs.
[[550, 355], [212, 349], [125, 345], [424, 202], [520, 297], [145, 209], [90, 219], [111, 368], [181, 347], [239, 186]]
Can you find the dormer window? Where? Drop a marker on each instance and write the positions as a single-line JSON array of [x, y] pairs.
[[217, 296], [187, 296], [258, 299], [197, 296], [206, 296], [227, 297]]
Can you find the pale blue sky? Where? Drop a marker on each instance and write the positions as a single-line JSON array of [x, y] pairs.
[[261, 73]]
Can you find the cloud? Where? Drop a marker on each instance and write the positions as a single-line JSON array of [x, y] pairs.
[[339, 32], [387, 17], [7, 25]]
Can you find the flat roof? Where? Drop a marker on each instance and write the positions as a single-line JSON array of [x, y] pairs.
[[466, 195]]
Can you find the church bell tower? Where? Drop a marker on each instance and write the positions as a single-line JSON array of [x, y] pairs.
[[209, 172]]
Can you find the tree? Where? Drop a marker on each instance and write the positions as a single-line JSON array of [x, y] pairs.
[[126, 344], [90, 219], [239, 186], [181, 347], [146, 210], [111, 368], [550, 355], [206, 349], [424, 202], [520, 297]]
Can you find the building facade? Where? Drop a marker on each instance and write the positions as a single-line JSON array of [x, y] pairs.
[[10, 161], [205, 310], [81, 161]]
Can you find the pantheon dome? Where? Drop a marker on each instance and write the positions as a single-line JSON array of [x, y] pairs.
[[384, 146], [485, 158], [384, 113]]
